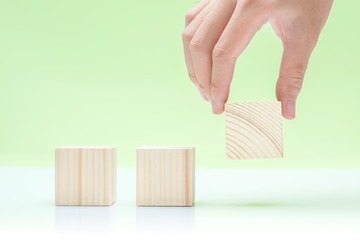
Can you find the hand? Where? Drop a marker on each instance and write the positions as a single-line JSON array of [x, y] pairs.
[[218, 31]]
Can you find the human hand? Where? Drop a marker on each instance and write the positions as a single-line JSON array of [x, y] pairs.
[[218, 31]]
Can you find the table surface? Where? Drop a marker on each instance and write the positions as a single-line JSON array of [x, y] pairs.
[[246, 202]]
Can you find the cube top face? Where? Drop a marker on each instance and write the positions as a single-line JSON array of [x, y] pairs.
[[85, 176], [165, 176], [86, 147], [166, 148], [253, 130]]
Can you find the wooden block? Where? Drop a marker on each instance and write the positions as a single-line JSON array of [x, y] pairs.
[[253, 130], [165, 176], [85, 176]]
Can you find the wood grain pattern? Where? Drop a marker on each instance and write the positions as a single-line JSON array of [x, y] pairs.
[[253, 130], [165, 176], [85, 175]]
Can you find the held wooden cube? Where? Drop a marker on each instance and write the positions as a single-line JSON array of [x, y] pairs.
[[85, 176], [165, 176], [253, 130]]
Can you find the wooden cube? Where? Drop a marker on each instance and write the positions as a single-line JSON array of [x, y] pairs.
[[165, 176], [253, 130], [85, 176]]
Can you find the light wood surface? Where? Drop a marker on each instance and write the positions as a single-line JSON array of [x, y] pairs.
[[253, 130], [165, 176], [85, 175]]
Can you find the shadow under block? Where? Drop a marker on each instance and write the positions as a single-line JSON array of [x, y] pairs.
[[253, 130], [165, 176], [85, 176]]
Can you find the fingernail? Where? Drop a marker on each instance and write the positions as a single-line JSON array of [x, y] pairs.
[[215, 107], [290, 109]]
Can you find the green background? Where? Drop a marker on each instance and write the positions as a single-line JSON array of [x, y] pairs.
[[112, 73]]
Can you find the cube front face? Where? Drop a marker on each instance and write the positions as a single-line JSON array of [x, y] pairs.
[[253, 130], [165, 176], [85, 176]]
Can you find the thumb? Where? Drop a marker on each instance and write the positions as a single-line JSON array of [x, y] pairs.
[[293, 66]]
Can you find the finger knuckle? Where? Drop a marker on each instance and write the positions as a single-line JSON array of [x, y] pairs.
[[192, 78], [186, 35], [220, 91], [215, 91], [196, 44], [189, 16], [219, 97], [203, 88], [298, 72], [219, 52], [291, 83], [295, 83], [292, 87]]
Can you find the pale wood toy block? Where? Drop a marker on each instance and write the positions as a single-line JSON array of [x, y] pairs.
[[253, 130], [165, 176], [85, 176]]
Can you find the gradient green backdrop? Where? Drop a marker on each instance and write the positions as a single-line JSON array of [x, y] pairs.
[[112, 73]]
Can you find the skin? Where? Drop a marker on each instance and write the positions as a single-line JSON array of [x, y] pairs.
[[218, 31]]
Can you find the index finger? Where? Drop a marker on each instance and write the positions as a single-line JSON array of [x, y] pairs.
[[238, 33]]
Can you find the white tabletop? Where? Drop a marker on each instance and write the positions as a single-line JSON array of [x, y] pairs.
[[251, 203]]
